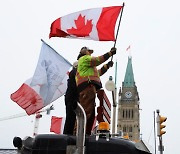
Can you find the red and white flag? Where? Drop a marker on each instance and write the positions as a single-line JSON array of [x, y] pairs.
[[96, 24], [128, 48], [48, 83], [57, 124]]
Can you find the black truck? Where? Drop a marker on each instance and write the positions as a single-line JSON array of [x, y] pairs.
[[100, 142]]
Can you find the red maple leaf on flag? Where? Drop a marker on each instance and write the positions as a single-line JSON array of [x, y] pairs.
[[82, 29]]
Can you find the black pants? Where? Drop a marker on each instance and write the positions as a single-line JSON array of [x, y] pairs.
[[70, 119]]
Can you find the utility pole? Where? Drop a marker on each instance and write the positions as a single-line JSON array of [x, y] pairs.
[[160, 132], [154, 134], [38, 115], [36, 123]]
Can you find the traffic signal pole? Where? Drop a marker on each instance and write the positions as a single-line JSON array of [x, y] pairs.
[[161, 147], [160, 132]]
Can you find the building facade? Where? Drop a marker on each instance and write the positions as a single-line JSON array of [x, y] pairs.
[[128, 120]]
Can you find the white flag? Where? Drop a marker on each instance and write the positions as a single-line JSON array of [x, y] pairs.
[[48, 83]]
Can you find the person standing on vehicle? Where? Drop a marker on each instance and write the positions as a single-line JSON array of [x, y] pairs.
[[71, 99], [88, 80]]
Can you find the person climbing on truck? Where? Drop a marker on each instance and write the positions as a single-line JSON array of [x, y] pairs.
[[88, 80]]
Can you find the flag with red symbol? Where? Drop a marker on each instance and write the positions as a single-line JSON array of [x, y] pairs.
[[95, 24]]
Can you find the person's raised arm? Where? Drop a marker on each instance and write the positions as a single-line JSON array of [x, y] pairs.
[[95, 61], [105, 68]]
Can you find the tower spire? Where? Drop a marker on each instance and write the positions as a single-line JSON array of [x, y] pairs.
[[128, 109], [129, 76]]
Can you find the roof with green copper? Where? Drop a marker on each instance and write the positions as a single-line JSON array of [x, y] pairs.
[[129, 76]]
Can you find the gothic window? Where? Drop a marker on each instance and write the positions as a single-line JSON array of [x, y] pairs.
[[126, 113], [124, 129], [130, 129], [132, 114]]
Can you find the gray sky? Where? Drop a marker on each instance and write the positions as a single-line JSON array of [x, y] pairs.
[[151, 28]]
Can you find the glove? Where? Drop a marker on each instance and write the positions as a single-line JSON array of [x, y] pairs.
[[113, 51], [110, 64]]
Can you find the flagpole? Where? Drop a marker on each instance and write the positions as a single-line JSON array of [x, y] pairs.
[[116, 72], [118, 27]]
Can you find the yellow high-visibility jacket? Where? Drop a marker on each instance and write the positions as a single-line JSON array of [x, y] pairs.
[[87, 72]]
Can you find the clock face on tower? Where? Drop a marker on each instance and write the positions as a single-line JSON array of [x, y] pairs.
[[128, 94]]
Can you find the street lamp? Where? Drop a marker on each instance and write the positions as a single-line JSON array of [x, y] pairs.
[[110, 86]]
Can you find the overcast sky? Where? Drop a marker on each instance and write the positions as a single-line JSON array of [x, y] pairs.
[[151, 27]]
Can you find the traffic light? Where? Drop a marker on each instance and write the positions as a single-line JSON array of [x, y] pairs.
[[160, 125]]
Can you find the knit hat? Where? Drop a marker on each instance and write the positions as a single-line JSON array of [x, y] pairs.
[[83, 52], [84, 49], [75, 64]]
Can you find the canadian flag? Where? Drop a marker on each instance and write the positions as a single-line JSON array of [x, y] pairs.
[[96, 24], [128, 48], [57, 124], [48, 83]]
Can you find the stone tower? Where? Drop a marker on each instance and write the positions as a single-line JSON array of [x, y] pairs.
[[128, 109]]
